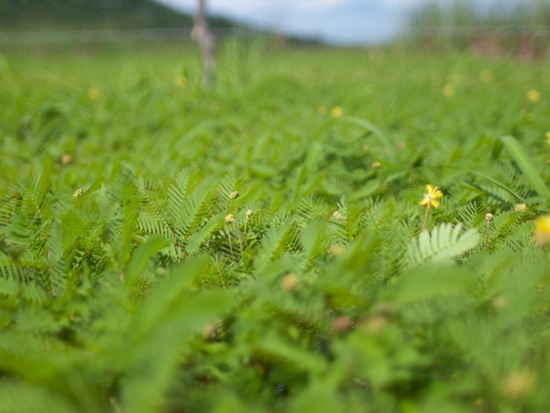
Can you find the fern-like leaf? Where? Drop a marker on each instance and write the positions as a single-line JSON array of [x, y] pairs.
[[195, 240], [311, 208], [441, 245], [272, 245]]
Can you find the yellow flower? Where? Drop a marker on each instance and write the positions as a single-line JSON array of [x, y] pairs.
[[533, 96], [66, 159], [93, 93], [518, 384], [448, 91], [335, 250], [181, 81], [542, 230], [432, 196], [290, 282], [521, 208], [337, 112], [78, 193], [229, 218]]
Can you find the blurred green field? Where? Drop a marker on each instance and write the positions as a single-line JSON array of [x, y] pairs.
[[259, 246], [258, 95]]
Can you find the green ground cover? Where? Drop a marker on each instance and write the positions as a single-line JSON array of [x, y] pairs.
[[260, 247]]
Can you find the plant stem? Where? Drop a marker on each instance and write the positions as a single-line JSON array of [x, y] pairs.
[[488, 218], [426, 216], [229, 238]]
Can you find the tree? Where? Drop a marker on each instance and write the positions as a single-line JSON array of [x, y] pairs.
[[202, 34]]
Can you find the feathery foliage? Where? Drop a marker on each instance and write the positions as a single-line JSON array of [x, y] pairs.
[[441, 245], [250, 248]]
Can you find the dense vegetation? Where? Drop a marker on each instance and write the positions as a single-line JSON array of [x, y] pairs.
[[513, 27], [259, 247]]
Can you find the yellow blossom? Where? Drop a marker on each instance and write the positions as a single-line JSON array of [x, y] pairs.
[[542, 230], [533, 96], [448, 91], [336, 250], [337, 112], [66, 159], [518, 384], [432, 196], [78, 193], [500, 303], [290, 282], [93, 93], [229, 218], [181, 81]]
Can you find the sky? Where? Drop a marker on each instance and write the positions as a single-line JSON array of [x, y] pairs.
[[334, 21]]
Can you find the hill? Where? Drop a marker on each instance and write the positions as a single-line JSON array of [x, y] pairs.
[[96, 14]]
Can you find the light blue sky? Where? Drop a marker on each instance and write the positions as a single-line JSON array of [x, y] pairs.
[[336, 21]]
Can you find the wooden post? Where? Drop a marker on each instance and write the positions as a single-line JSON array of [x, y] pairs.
[[202, 34]]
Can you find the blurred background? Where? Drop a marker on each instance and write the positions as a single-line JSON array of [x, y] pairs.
[[506, 27]]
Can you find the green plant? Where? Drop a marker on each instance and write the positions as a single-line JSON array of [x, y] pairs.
[[169, 249]]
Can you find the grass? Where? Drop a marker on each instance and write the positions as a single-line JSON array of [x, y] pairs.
[[125, 285]]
